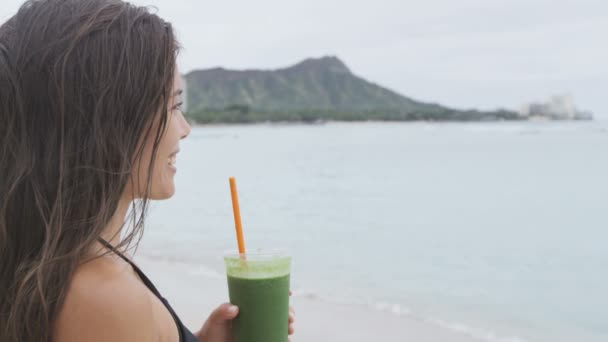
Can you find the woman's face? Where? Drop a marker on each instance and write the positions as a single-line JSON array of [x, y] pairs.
[[162, 184]]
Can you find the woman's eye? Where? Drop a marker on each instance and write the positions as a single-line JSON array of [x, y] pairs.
[[178, 106]]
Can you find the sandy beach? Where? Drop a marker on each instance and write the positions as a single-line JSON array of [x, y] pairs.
[[194, 294]]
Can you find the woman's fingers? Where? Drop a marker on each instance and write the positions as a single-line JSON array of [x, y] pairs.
[[224, 312], [292, 318]]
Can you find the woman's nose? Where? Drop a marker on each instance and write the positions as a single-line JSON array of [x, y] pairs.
[[187, 128]]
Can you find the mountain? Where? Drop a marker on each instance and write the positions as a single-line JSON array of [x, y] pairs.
[[316, 88]]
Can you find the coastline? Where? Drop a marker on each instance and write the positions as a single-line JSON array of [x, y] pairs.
[[325, 122], [195, 293]]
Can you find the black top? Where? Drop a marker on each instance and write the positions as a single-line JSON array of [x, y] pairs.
[[184, 334]]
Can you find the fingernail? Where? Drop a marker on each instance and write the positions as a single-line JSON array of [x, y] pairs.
[[232, 309]]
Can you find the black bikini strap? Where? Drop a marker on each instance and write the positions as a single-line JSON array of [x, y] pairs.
[[113, 249], [139, 272], [148, 283]]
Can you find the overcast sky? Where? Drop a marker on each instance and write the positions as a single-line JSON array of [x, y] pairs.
[[462, 53]]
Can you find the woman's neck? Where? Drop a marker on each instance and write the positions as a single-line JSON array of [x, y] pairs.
[[112, 231]]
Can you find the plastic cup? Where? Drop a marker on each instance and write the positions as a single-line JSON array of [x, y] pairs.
[[258, 283]]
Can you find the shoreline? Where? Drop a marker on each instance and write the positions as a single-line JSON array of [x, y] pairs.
[[194, 294], [325, 122]]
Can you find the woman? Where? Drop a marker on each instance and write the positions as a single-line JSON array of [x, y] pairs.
[[90, 125]]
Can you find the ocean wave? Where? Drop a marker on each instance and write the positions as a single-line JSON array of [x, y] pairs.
[[198, 269], [206, 272], [481, 334], [401, 310], [369, 304], [393, 308]]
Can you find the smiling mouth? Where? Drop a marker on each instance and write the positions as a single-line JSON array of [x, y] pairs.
[[172, 159]]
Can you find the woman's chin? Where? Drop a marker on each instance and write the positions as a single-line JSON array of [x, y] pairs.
[[163, 192]]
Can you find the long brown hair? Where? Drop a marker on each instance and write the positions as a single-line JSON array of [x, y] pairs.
[[81, 83]]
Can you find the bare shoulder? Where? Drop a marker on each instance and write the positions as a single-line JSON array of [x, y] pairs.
[[106, 302]]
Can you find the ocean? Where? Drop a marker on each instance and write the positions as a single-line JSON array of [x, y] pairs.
[[495, 230]]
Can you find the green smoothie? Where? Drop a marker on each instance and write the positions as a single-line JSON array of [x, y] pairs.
[[259, 285]]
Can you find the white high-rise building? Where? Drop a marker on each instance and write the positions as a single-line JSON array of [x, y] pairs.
[[524, 110], [558, 107], [562, 106]]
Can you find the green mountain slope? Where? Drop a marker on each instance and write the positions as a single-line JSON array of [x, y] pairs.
[[313, 89]]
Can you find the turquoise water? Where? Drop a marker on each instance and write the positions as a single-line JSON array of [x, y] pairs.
[[496, 230]]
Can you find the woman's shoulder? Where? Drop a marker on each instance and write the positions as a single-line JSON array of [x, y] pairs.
[[105, 301]]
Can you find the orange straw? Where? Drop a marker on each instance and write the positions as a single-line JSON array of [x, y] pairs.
[[237, 216]]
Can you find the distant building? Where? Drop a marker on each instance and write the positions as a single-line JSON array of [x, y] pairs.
[[559, 107]]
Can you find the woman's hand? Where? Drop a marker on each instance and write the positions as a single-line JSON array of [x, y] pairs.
[[217, 326], [292, 319]]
